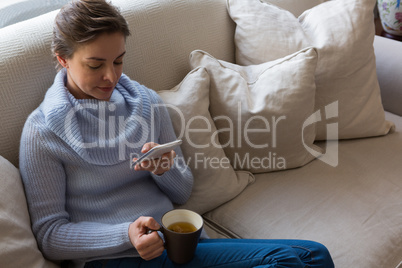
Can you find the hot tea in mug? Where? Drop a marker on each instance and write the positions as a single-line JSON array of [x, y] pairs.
[[182, 227]]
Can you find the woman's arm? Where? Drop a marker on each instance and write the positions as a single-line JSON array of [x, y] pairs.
[[44, 180]]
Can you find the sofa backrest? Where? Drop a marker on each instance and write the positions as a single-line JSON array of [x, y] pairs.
[[164, 32]]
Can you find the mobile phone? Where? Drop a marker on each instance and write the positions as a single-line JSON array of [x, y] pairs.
[[157, 152]]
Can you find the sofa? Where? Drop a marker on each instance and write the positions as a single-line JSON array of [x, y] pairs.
[[315, 148]]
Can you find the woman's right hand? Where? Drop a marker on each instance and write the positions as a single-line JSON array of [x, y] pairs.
[[148, 245], [157, 166]]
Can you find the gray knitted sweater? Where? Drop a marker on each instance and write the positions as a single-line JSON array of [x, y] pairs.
[[75, 165]]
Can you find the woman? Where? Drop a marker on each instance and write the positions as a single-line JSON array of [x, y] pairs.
[[87, 206]]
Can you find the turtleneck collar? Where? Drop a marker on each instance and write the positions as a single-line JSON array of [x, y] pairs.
[[101, 132]]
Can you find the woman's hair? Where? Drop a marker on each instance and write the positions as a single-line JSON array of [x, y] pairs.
[[82, 21]]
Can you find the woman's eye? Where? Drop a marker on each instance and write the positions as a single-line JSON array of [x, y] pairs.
[[94, 67], [118, 63]]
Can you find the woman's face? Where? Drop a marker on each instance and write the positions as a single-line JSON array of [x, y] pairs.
[[95, 67]]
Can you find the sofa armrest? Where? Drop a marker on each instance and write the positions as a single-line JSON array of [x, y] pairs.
[[389, 70]]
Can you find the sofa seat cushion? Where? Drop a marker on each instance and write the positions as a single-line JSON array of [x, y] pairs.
[[354, 209]]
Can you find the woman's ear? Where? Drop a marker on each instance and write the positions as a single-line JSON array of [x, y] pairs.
[[62, 61]]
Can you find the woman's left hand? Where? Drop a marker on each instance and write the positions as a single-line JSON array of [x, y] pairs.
[[158, 166]]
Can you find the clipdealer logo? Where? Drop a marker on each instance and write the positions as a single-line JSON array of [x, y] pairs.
[[113, 128], [330, 156]]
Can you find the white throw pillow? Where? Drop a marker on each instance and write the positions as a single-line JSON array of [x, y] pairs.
[[260, 110], [297, 6], [215, 181], [18, 246], [343, 33]]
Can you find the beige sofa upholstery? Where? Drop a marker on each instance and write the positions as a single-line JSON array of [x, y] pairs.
[[353, 208]]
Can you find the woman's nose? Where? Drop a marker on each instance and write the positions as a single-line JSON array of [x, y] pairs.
[[110, 74]]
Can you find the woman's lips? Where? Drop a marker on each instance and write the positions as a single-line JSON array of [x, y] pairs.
[[106, 89]]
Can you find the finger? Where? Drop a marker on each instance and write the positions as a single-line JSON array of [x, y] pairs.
[[147, 146], [166, 158], [152, 250], [152, 164], [153, 253], [167, 161], [138, 167], [148, 165], [149, 241], [151, 223], [157, 165], [144, 165], [150, 247], [161, 166], [143, 224], [172, 154]]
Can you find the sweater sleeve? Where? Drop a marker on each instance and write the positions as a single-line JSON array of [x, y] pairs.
[[44, 180], [176, 183]]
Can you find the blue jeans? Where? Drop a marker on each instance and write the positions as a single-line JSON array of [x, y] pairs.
[[232, 253]]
